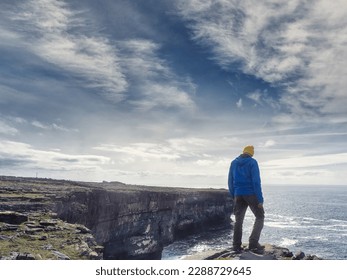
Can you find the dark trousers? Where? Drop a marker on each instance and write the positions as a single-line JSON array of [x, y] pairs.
[[241, 204]]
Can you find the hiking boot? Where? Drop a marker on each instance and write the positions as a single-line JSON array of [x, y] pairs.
[[237, 250], [257, 249]]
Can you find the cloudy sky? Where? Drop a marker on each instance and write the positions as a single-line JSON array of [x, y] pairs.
[[169, 92]]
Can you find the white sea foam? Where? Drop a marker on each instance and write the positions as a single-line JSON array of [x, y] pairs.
[[288, 242], [339, 222], [321, 238], [311, 219], [282, 224], [279, 221], [337, 228], [318, 238]]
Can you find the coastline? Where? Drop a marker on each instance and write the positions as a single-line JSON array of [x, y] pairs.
[[129, 222]]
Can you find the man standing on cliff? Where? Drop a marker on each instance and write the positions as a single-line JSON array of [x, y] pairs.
[[245, 188]]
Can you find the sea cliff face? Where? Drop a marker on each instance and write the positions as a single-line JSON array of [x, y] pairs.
[[137, 222], [131, 222]]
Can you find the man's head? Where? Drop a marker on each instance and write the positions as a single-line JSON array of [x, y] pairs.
[[249, 150]]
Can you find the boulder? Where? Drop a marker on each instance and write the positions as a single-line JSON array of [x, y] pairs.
[[25, 256], [299, 256], [60, 255]]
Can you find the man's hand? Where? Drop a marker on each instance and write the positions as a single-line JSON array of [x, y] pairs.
[[260, 205]]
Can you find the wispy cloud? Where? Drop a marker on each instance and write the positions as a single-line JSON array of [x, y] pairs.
[[307, 161], [298, 46], [155, 83], [51, 30], [12, 125], [145, 151], [268, 143], [170, 149], [27, 157], [241, 32], [263, 98], [239, 103], [117, 70], [7, 129], [53, 126]]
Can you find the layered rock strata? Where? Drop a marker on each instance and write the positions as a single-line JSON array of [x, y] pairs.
[[130, 222]]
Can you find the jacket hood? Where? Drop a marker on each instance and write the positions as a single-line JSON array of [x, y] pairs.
[[242, 160]]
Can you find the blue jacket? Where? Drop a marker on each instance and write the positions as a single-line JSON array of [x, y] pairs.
[[244, 177]]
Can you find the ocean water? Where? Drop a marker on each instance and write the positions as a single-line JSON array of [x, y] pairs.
[[312, 219]]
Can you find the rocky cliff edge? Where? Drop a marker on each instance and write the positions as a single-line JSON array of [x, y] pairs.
[[127, 221]]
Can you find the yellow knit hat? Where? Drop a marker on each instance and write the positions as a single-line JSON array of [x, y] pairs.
[[249, 150]]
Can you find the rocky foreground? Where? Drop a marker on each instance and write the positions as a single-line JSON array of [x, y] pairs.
[[58, 219], [42, 236], [271, 252]]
